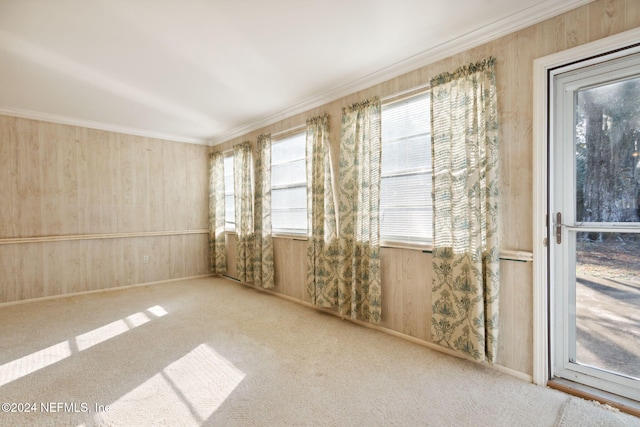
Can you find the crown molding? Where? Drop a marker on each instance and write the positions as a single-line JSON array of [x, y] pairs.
[[523, 19], [53, 118]]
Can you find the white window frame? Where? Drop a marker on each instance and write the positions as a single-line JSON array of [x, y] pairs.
[[229, 225], [396, 241], [281, 137]]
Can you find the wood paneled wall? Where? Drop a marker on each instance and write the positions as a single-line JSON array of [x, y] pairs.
[[290, 263], [406, 291], [81, 208], [406, 273]]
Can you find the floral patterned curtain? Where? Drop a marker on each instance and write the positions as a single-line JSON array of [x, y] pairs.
[[322, 248], [243, 189], [263, 246], [464, 122], [217, 254], [359, 294]]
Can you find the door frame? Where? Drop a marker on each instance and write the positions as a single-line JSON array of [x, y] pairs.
[[543, 72]]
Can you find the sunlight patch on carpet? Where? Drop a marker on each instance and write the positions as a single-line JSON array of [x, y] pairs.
[[111, 330], [40, 359], [193, 386], [157, 311], [33, 362]]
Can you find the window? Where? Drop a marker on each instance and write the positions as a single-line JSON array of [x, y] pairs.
[[229, 200], [405, 193], [289, 185]]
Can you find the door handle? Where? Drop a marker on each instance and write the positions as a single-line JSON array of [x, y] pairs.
[[558, 228]]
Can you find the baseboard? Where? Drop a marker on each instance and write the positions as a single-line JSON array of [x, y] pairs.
[[432, 346], [513, 373], [117, 288]]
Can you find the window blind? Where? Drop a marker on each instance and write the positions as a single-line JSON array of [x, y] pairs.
[[405, 193], [229, 200], [289, 185]]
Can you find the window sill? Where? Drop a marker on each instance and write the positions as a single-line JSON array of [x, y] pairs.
[[423, 247], [300, 237]]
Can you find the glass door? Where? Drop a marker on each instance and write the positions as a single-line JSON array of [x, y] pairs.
[[595, 222]]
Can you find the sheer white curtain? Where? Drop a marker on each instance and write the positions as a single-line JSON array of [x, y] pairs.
[[217, 253], [243, 193], [322, 248], [359, 293], [263, 268], [466, 223]]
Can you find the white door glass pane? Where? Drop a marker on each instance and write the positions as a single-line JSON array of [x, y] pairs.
[[607, 302], [607, 157]]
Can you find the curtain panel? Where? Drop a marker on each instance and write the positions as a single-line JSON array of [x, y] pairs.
[[359, 293], [243, 189], [465, 223], [263, 269], [322, 248], [217, 253]]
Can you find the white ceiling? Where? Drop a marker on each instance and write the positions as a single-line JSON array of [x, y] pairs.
[[204, 71]]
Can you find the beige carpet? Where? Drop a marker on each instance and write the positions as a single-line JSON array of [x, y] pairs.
[[213, 352]]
